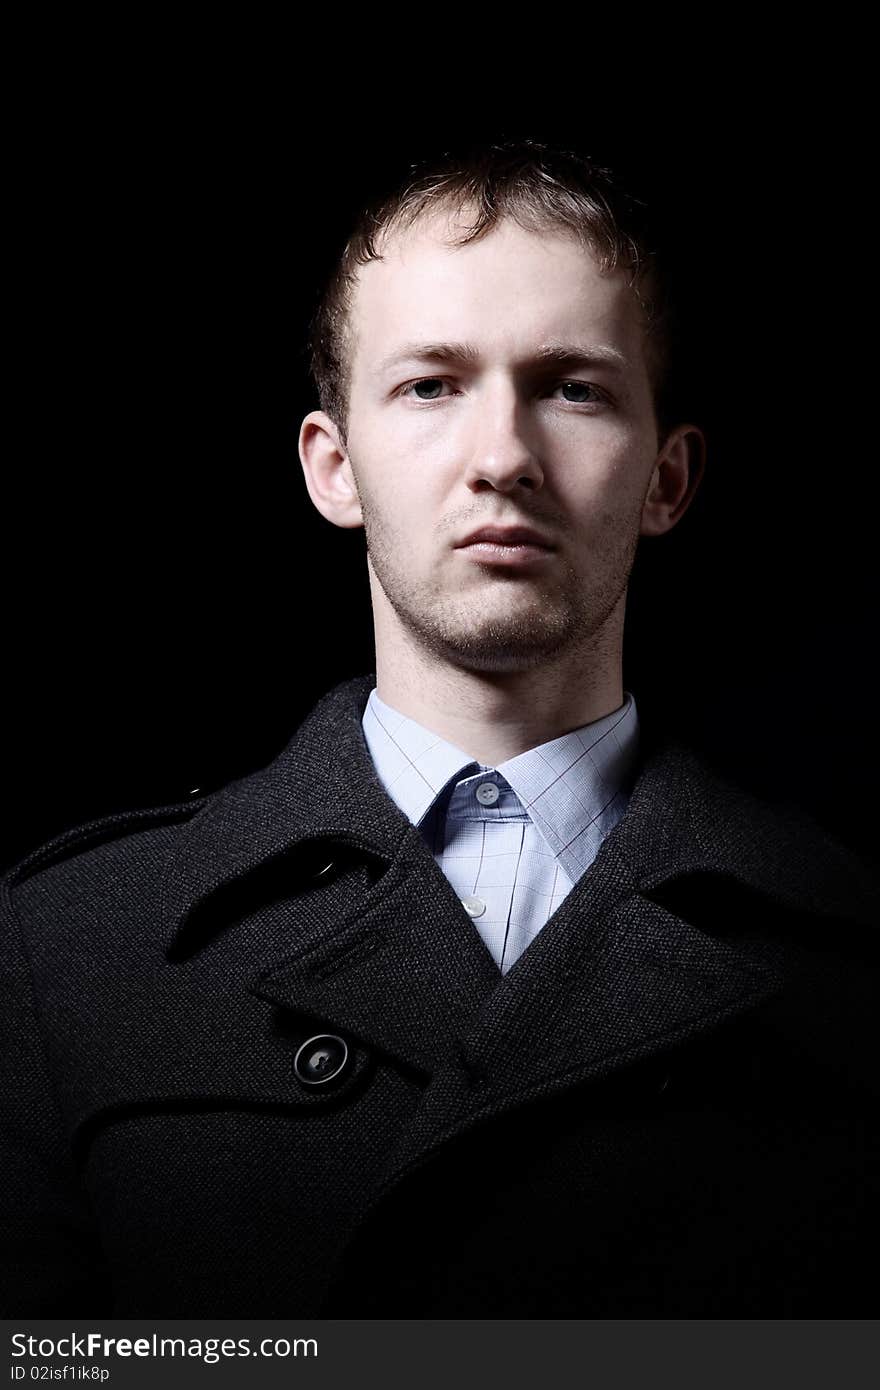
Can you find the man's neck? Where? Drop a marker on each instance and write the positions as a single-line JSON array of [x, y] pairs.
[[494, 717]]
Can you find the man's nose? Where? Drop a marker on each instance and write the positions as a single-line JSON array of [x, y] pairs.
[[502, 453]]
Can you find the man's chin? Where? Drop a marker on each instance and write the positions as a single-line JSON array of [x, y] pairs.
[[496, 647]]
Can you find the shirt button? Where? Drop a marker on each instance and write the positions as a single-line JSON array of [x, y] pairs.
[[487, 793], [474, 907]]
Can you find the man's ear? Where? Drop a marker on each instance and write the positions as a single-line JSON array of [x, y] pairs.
[[328, 473], [678, 470]]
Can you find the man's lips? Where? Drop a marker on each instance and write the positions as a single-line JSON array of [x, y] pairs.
[[518, 547], [506, 536]]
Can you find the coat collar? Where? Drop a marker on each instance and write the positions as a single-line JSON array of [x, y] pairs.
[[682, 819], [321, 788]]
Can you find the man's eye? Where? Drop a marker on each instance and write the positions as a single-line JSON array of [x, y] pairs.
[[433, 384], [583, 387]]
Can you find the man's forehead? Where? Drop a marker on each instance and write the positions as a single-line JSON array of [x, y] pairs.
[[544, 293]]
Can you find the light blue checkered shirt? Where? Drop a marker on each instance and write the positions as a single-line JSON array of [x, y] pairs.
[[511, 839]]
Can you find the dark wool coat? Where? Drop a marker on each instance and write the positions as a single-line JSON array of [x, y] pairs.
[[667, 1108]]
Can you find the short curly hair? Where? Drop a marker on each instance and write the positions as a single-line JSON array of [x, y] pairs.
[[539, 186]]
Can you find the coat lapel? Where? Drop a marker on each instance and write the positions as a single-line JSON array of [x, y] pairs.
[[320, 791], [395, 962], [405, 971]]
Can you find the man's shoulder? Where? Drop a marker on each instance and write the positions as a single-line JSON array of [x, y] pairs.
[[126, 855], [84, 862], [690, 817]]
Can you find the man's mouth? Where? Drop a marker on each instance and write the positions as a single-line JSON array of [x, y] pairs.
[[517, 546], [506, 536]]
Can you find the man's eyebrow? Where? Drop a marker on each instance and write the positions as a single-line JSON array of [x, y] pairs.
[[555, 354]]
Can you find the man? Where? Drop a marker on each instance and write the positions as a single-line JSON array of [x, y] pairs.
[[475, 1002]]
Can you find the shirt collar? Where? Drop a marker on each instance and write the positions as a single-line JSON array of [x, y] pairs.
[[573, 788], [414, 764]]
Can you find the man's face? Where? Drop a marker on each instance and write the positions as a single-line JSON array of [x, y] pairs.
[[440, 446]]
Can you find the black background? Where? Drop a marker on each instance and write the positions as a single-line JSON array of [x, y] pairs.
[[174, 603]]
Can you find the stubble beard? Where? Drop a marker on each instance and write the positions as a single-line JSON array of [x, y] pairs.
[[537, 620]]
